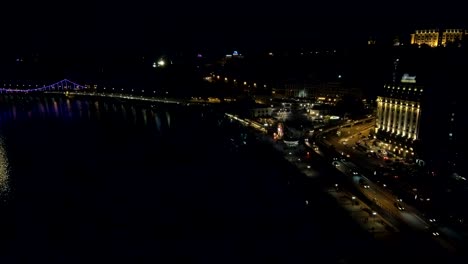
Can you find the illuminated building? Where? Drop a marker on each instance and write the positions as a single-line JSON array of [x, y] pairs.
[[327, 92], [437, 38], [331, 91], [426, 36], [422, 118], [261, 112], [399, 113], [294, 89], [235, 54]]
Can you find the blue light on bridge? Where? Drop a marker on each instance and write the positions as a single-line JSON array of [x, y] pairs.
[[58, 86]]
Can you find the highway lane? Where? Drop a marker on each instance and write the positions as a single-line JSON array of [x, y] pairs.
[[377, 194], [375, 198], [381, 196]]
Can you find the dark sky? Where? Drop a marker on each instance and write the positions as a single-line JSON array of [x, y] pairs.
[[115, 26]]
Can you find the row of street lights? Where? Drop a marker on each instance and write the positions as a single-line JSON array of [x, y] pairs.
[[226, 79]]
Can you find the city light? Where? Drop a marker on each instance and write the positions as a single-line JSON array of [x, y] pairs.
[[61, 85]]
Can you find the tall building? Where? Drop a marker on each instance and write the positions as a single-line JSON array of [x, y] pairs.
[[420, 115], [399, 115], [437, 37]]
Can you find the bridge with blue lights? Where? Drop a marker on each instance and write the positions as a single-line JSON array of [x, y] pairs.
[[63, 85], [71, 88]]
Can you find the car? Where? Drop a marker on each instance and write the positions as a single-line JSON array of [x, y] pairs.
[[364, 183], [399, 206]]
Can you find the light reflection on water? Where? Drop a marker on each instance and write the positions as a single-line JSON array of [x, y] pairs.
[[14, 110], [168, 118], [144, 114], [4, 174], [134, 114], [74, 108], [157, 121]]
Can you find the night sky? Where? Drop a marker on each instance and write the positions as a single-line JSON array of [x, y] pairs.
[[112, 26]]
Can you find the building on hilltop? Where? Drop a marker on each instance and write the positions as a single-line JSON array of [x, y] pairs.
[[438, 37]]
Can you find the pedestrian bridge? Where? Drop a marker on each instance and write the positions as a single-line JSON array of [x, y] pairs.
[[63, 85]]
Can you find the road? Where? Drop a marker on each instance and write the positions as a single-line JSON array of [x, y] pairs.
[[376, 224], [376, 212], [378, 193]]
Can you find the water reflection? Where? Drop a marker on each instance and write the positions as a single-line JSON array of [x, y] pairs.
[[168, 118], [134, 116], [98, 113], [80, 108], [157, 121], [88, 110], [124, 112], [69, 108], [37, 111], [46, 107], [4, 175], [55, 106], [145, 118], [42, 109], [13, 112]]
